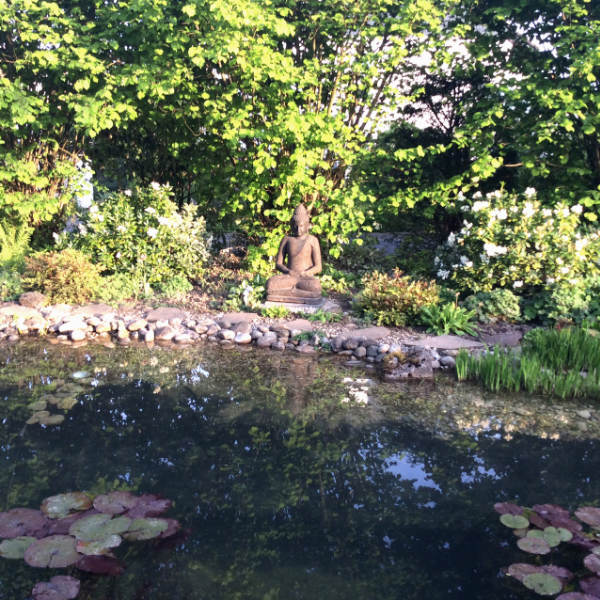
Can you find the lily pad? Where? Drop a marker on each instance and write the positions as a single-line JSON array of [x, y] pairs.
[[62, 526], [589, 515], [576, 596], [80, 375], [149, 505], [173, 527], [521, 570], [37, 405], [550, 510], [98, 547], [54, 551], [536, 520], [146, 529], [36, 416], [508, 508], [552, 535], [115, 503], [67, 403], [57, 507], [19, 522], [534, 545], [590, 585], [103, 565], [52, 420], [543, 584], [60, 587], [592, 562], [514, 521], [98, 527], [15, 548]]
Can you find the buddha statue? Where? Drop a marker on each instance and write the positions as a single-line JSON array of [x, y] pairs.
[[299, 259]]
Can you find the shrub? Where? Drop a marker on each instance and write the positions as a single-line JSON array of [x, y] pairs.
[[275, 312], [393, 299], [142, 233], [176, 286], [118, 287], [246, 294], [511, 241], [496, 305], [11, 285], [449, 318], [65, 276]]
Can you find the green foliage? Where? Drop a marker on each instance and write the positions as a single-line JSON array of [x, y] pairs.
[[176, 286], [248, 294], [65, 276], [394, 299], [118, 287], [14, 244], [335, 280], [275, 312], [511, 241], [321, 316], [448, 318], [563, 363], [496, 305], [11, 285], [140, 232]]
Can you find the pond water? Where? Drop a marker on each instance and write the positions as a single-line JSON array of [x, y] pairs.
[[288, 484]]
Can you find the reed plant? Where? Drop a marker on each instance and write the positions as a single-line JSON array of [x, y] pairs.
[[563, 363]]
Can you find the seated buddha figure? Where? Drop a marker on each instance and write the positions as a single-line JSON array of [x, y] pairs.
[[299, 259]]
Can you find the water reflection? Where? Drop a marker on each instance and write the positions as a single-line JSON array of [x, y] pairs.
[[287, 491]]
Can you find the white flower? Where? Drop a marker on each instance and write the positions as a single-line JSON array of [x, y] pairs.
[[451, 239], [163, 221], [499, 213], [564, 270], [464, 260], [443, 274], [559, 260], [152, 232], [127, 193], [460, 196], [121, 229], [550, 280], [528, 210], [494, 250], [477, 195], [436, 261], [85, 201], [150, 210], [155, 186], [518, 284], [82, 228], [118, 255], [577, 209], [530, 192], [467, 225], [480, 205], [580, 244], [546, 212]]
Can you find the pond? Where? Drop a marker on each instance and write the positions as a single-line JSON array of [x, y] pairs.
[[293, 477]]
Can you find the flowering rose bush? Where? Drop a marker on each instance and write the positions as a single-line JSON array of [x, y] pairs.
[[140, 232], [512, 241]]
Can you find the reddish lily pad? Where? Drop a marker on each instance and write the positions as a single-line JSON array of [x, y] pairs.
[[62, 526], [576, 596], [146, 529], [550, 510], [60, 587], [542, 584], [514, 521], [115, 503], [103, 565], [54, 551], [97, 527], [19, 522], [149, 505], [592, 562], [559, 572], [565, 523], [173, 526], [57, 507], [100, 546], [15, 548], [534, 545], [536, 520], [508, 508], [520, 570], [590, 585], [589, 515], [583, 542]]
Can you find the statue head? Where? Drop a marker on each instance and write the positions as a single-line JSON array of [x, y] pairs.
[[300, 220]]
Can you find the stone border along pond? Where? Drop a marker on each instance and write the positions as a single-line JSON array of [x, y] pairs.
[[414, 358]]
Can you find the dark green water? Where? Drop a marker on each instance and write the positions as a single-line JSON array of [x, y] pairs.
[[287, 491]]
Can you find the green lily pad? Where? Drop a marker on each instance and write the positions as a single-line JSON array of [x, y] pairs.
[[57, 507], [80, 375], [145, 529], [16, 547], [67, 403], [542, 584], [36, 416], [52, 420], [589, 515], [552, 535], [97, 527], [534, 545], [37, 405], [99, 546], [514, 521], [54, 551], [60, 587], [115, 503], [70, 388]]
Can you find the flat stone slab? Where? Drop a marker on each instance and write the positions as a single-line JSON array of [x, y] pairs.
[[94, 310], [445, 342], [368, 333], [229, 320], [307, 309], [16, 310], [509, 338], [165, 313], [281, 299], [299, 324]]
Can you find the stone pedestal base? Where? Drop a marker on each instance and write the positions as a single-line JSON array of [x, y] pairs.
[[325, 305], [295, 299]]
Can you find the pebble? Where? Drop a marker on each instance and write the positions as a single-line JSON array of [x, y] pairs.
[[242, 337]]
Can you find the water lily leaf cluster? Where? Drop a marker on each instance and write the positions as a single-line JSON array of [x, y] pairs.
[[541, 530], [75, 529]]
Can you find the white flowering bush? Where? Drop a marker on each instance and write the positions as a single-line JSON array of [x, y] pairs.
[[142, 233], [511, 241]]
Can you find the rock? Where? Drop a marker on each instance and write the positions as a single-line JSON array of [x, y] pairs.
[[33, 299], [447, 362], [76, 335], [200, 328], [383, 348], [122, 333], [227, 334], [264, 328], [91, 310], [360, 352], [227, 344], [231, 319], [242, 338], [306, 349], [69, 326], [164, 334], [182, 338], [372, 350], [147, 335], [265, 342], [243, 327], [584, 414], [300, 325], [136, 325], [278, 345], [165, 313], [103, 327], [290, 346], [351, 343], [446, 342], [93, 322], [213, 330], [16, 310]]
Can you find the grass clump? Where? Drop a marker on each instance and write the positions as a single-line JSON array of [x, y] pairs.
[[563, 363]]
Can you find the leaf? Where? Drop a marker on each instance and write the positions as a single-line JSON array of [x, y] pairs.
[[514, 521], [57, 507], [146, 529], [103, 565], [576, 596], [592, 562], [149, 505], [15, 548], [589, 515], [98, 546], [542, 583], [115, 503], [19, 522], [60, 587], [508, 508], [533, 545], [590, 585], [54, 551], [97, 527]]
